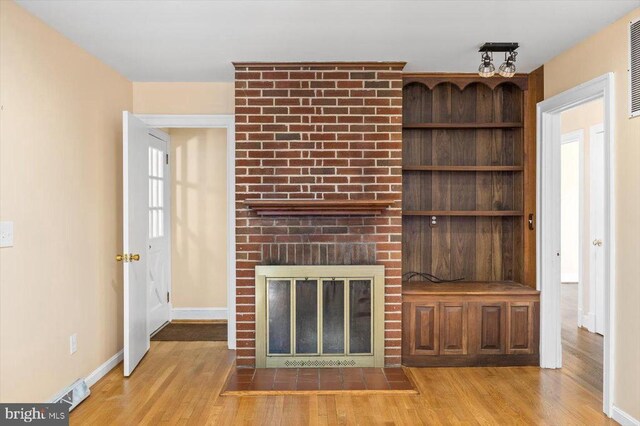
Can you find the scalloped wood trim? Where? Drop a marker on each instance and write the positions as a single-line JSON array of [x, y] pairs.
[[431, 80]]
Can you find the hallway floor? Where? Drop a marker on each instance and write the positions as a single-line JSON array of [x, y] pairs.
[[582, 351]]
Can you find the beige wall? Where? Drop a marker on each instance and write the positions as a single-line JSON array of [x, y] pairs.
[[607, 51], [60, 182], [183, 98], [581, 118], [199, 218]]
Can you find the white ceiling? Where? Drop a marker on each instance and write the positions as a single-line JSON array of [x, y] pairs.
[[197, 40]]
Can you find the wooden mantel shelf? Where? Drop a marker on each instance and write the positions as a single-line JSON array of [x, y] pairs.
[[318, 207]]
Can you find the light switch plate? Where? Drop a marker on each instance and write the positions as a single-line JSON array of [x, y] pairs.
[[6, 234], [73, 343]]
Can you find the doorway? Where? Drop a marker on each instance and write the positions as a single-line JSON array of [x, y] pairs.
[[149, 188], [549, 235], [582, 229], [183, 127]]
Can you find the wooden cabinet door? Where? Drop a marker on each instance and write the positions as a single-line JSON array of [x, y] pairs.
[[423, 329], [453, 328], [487, 328], [520, 335]]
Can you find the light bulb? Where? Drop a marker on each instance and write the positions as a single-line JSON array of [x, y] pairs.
[[508, 68], [486, 68]]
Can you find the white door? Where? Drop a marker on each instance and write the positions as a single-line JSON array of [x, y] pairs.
[[597, 226], [135, 147], [159, 306]]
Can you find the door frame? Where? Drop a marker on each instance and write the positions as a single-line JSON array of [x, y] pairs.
[[593, 318], [217, 121], [548, 230], [577, 136]]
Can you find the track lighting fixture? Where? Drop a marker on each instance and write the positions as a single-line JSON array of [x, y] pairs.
[[508, 67]]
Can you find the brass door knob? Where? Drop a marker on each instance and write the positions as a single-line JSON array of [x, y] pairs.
[[134, 257], [119, 257]]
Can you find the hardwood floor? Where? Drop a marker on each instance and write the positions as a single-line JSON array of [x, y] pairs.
[[582, 351], [180, 383]]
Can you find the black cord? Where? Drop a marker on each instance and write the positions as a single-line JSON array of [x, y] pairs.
[[407, 276]]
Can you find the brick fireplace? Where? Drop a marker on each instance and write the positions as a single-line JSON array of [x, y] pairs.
[[318, 131]]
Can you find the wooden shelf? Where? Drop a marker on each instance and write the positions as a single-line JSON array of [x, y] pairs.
[[467, 288], [505, 125], [463, 168], [462, 213], [318, 207]]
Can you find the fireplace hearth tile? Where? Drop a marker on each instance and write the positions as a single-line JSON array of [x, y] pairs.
[[272, 381]]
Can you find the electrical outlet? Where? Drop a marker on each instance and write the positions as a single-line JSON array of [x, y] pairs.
[[73, 343]]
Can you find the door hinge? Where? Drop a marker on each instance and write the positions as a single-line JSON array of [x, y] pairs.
[[168, 297], [166, 158]]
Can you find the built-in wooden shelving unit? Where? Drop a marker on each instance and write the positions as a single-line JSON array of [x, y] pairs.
[[463, 162], [468, 190]]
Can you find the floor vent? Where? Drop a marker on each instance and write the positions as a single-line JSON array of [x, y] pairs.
[[74, 394]]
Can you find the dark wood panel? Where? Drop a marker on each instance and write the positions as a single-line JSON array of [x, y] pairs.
[[469, 288], [520, 322], [471, 360], [453, 328], [488, 327], [462, 213], [473, 125], [470, 168], [532, 96], [426, 323], [417, 103]]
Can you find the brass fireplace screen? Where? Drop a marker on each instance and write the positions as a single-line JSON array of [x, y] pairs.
[[320, 316]]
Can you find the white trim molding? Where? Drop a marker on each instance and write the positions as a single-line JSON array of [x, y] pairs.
[[96, 374], [102, 371], [588, 321], [548, 231], [199, 314], [577, 136], [205, 122], [624, 418]]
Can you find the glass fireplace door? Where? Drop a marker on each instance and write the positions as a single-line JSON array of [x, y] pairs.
[[319, 322]]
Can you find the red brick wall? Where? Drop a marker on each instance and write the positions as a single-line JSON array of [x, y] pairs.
[[318, 131]]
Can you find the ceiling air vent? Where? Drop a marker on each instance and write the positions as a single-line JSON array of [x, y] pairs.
[[634, 68]]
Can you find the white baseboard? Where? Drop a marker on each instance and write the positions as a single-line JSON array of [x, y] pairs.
[[623, 418], [199, 314], [96, 374], [589, 321], [580, 318], [102, 371]]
